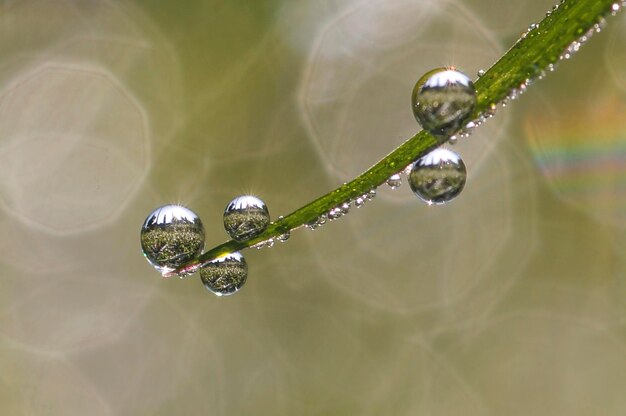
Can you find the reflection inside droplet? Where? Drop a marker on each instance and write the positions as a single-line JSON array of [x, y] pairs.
[[225, 275], [438, 177]]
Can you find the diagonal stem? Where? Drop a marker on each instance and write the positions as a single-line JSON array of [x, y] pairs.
[[555, 38]]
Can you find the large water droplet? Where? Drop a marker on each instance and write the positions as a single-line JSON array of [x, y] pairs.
[[171, 236], [225, 275], [246, 217], [438, 177], [442, 100]]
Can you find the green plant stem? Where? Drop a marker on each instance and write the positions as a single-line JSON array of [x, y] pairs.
[[525, 61]]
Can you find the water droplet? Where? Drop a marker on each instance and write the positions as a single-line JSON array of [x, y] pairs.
[[359, 201], [394, 181], [284, 236], [442, 99], [334, 214], [318, 222], [171, 236], [371, 194], [438, 177], [481, 72], [225, 275], [269, 243], [615, 8], [345, 207], [245, 217], [491, 110], [259, 245]]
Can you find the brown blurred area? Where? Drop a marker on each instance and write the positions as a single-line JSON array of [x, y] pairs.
[[511, 300]]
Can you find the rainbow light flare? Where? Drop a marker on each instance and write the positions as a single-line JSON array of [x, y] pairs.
[[582, 155]]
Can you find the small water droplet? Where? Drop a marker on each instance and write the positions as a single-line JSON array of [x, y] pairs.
[[394, 181], [442, 100], [453, 140], [246, 217], [615, 8], [284, 236], [480, 73], [491, 110], [225, 275], [359, 201], [259, 245], [345, 207], [438, 177], [371, 194], [171, 236], [334, 214], [318, 222]]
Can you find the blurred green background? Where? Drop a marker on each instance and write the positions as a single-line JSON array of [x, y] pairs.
[[509, 301]]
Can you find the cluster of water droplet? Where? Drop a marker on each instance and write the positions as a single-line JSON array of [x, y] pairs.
[[341, 210], [442, 101], [538, 73], [173, 235]]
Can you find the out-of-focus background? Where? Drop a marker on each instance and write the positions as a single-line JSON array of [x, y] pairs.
[[509, 301]]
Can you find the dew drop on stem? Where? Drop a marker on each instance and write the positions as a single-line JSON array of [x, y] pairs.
[[442, 100], [245, 217], [171, 236], [394, 181], [438, 177], [225, 275]]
